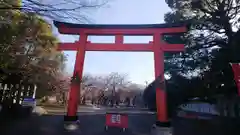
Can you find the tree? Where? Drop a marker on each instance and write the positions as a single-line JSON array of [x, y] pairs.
[[61, 86], [113, 82], [211, 42], [72, 10], [105, 88], [89, 87], [28, 49]]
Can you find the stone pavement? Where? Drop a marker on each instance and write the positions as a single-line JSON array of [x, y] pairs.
[[139, 124], [103, 110]]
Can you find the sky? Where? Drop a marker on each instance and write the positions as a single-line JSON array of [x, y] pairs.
[[138, 65]]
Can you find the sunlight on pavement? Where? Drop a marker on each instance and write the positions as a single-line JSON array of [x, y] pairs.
[[71, 127], [39, 110], [96, 108]]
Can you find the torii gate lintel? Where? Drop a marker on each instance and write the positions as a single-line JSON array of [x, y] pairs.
[[120, 47], [157, 46]]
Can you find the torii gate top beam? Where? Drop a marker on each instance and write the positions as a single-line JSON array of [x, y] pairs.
[[156, 30], [127, 29]]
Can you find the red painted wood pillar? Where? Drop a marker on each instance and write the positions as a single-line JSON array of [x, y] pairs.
[[74, 94], [236, 72], [159, 71]]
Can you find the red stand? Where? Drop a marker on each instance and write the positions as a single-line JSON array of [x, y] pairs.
[[116, 120], [157, 46]]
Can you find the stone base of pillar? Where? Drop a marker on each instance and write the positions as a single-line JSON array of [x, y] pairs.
[[71, 123], [161, 129], [70, 118]]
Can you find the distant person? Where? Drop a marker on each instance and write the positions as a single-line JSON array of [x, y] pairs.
[[134, 101], [127, 101]]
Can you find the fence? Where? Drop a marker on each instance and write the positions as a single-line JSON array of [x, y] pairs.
[[15, 93]]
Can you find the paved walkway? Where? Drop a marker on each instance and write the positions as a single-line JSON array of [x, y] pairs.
[[103, 110], [139, 124]]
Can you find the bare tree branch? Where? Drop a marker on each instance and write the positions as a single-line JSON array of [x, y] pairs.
[[68, 9]]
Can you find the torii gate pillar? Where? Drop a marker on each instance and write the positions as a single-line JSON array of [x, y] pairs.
[[157, 46]]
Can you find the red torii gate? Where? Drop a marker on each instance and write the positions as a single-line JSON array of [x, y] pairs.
[[157, 46]]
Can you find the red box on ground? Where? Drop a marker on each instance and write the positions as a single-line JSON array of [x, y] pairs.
[[116, 120]]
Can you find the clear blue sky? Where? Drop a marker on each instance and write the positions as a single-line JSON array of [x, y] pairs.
[[138, 65]]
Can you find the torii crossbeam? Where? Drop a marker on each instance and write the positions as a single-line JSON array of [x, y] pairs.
[[157, 46]]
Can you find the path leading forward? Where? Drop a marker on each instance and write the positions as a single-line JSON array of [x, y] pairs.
[[139, 124], [95, 110]]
